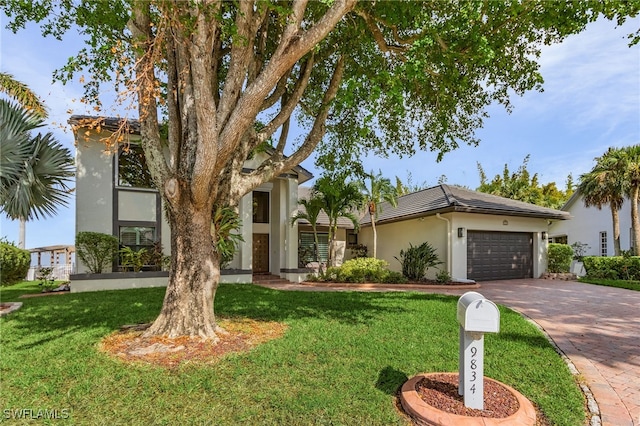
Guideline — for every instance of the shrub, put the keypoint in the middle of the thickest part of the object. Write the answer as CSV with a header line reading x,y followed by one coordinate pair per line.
x,y
443,277
359,250
579,250
613,268
417,260
559,257
131,259
96,250
361,270
47,282
14,263
393,277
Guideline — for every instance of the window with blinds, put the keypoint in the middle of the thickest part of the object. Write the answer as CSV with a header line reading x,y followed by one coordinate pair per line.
x,y
306,244
137,237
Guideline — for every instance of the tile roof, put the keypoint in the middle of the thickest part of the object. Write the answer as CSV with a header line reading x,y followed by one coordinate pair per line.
x,y
446,198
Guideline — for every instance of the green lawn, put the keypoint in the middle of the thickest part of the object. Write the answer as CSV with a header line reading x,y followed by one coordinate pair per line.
x,y
340,362
629,285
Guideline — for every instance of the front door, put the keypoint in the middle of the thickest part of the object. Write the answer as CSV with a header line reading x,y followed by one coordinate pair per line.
x,y
260,253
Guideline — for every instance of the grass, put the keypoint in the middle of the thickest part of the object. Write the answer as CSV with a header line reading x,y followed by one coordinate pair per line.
x,y
341,361
629,285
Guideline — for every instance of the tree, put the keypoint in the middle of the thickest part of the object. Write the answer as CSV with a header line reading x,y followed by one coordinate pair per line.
x,y
630,159
312,209
21,93
521,186
379,190
605,184
409,187
373,76
34,171
339,198
30,102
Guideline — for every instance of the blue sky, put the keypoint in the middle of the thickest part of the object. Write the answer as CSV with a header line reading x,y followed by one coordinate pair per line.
x,y
591,101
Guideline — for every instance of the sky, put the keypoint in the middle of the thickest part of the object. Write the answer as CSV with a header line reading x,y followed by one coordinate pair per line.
x,y
591,101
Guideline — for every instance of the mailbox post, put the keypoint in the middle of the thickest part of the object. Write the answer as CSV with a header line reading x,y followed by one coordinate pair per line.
x,y
476,316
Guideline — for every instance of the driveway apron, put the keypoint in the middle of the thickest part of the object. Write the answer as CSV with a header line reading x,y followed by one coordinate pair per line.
x,y
597,327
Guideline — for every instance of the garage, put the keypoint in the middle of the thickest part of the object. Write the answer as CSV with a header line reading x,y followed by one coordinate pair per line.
x,y
499,255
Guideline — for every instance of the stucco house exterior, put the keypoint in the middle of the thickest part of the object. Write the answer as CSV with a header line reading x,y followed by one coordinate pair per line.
x,y
593,226
477,236
113,196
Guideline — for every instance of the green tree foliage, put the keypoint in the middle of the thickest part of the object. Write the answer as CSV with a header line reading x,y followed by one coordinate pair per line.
x,y
312,208
522,186
615,175
14,263
605,185
339,197
409,186
35,171
377,77
22,94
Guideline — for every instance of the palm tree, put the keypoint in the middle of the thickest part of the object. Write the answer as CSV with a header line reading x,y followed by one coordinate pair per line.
x,y
605,184
34,171
380,189
630,159
21,93
312,209
339,198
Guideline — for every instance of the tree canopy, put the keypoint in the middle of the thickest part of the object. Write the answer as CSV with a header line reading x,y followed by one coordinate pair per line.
x,y
522,186
384,76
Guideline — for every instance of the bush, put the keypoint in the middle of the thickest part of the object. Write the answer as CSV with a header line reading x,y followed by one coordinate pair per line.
x,y
613,268
443,277
14,263
559,257
362,270
96,250
416,261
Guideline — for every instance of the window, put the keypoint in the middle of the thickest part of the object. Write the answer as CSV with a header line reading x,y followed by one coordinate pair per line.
x,y
306,245
352,238
132,168
560,239
603,243
137,237
260,207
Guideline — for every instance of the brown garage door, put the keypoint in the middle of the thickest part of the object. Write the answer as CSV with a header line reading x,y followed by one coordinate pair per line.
x,y
499,255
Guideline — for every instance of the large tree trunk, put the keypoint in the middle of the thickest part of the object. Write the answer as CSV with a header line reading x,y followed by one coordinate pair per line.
x,y
195,273
616,230
635,220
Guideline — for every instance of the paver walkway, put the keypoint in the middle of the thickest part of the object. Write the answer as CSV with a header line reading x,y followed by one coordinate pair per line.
x,y
597,327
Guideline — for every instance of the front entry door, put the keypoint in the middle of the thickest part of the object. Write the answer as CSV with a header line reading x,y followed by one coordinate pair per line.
x,y
260,253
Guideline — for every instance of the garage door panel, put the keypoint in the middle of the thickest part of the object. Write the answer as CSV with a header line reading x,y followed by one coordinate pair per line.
x,y
499,255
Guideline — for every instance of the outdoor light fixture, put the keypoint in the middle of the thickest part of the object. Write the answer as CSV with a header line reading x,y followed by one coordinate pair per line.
x,y
461,232
544,235
505,222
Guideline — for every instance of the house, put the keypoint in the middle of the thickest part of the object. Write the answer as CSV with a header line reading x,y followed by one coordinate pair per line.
x,y
476,235
593,226
114,195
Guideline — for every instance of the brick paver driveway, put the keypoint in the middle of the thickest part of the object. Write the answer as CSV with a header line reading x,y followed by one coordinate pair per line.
x,y
597,327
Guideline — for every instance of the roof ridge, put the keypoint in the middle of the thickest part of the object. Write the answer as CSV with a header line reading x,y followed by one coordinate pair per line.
x,y
448,194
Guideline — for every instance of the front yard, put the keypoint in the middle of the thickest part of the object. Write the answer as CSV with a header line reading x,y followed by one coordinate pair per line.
x,y
340,362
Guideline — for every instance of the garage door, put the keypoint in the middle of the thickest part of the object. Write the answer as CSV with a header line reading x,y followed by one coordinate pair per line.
x,y
499,255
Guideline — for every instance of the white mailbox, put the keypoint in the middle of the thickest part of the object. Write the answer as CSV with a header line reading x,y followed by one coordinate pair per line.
x,y
477,314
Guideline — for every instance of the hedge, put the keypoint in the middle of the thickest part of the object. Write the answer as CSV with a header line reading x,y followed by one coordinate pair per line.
x,y
14,264
613,268
559,257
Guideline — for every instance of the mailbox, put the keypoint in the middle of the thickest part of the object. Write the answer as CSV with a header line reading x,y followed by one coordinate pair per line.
x,y
477,314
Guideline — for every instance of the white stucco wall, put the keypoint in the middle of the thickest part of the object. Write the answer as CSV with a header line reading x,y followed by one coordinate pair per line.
x,y
438,232
397,236
587,223
94,189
